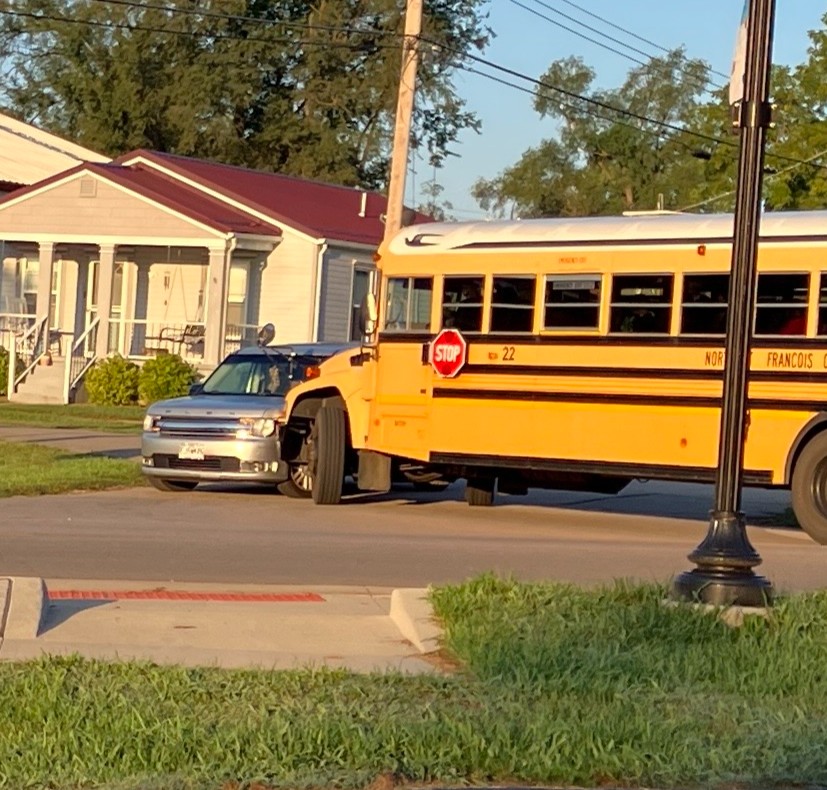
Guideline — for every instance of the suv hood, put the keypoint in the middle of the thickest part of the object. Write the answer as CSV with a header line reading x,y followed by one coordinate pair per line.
x,y
195,406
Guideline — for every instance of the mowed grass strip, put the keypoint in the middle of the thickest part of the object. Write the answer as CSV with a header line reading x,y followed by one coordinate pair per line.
x,y
558,686
118,419
27,469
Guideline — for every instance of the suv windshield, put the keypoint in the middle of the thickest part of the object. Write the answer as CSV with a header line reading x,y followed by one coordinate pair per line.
x,y
248,374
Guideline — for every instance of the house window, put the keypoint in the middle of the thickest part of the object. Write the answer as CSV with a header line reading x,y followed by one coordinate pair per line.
x,y
237,295
408,304
359,291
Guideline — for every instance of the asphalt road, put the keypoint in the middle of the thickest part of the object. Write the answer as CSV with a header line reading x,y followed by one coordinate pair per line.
x,y
404,539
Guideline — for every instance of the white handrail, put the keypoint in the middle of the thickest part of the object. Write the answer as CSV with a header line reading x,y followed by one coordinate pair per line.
x,y
77,360
34,335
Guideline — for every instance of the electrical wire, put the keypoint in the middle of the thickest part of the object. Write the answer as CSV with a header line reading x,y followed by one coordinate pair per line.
x,y
630,32
703,83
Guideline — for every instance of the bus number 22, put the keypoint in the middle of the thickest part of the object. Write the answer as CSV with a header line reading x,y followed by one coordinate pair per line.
x,y
508,353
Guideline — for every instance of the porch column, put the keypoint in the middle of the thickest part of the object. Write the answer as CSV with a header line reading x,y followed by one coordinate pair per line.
x,y
106,267
215,313
46,257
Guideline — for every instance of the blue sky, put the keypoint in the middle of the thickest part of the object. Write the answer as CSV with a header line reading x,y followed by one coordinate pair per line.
x,y
528,44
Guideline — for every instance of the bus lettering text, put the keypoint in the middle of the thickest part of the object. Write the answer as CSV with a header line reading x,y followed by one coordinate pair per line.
x,y
714,359
446,353
790,360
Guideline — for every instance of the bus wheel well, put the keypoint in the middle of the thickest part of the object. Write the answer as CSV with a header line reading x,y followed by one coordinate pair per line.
x,y
815,427
309,406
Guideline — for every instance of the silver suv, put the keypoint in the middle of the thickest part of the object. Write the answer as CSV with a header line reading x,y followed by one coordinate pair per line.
x,y
226,428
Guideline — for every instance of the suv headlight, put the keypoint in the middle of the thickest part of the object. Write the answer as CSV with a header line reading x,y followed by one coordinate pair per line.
x,y
261,427
151,423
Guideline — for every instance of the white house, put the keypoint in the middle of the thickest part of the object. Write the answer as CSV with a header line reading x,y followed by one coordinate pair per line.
x,y
155,253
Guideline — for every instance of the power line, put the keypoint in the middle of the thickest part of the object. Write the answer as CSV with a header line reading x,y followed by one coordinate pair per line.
x,y
702,83
630,32
434,43
598,103
768,177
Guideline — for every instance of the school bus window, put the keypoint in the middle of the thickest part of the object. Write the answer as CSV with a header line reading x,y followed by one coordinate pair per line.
x,y
512,304
822,306
572,302
704,304
641,303
462,303
408,304
781,304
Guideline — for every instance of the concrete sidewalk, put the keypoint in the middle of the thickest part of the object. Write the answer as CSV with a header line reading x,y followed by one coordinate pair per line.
x,y
76,440
203,625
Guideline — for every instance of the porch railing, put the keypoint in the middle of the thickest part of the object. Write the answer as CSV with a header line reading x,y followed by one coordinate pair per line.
x,y
12,328
32,343
138,338
239,335
80,358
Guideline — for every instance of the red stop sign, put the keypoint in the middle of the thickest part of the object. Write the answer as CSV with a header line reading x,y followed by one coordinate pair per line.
x,y
448,353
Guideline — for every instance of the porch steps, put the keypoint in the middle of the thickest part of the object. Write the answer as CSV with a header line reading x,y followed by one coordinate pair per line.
x,y
43,385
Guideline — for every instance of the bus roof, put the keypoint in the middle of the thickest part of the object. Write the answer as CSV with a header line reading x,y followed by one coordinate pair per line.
x,y
434,237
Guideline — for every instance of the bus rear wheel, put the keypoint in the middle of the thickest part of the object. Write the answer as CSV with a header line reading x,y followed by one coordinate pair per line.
x,y
327,446
809,489
479,491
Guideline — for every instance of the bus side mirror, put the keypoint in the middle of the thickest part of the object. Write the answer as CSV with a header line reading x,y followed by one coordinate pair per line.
x,y
367,315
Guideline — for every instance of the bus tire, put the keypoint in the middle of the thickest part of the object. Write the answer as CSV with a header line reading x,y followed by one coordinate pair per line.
x,y
809,488
172,485
479,491
328,439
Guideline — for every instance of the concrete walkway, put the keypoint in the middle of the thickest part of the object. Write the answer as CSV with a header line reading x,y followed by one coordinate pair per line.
x,y
76,440
203,625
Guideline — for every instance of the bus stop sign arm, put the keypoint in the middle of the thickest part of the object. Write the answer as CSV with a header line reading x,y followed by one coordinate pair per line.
x,y
725,558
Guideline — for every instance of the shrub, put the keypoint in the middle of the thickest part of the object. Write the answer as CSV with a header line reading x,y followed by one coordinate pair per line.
x,y
4,369
165,376
112,382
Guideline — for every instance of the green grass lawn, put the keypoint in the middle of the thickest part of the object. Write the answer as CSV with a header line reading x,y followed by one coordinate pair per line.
x,y
555,686
120,419
27,469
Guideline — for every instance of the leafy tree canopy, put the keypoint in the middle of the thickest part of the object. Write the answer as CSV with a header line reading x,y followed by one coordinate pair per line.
x,y
600,161
304,88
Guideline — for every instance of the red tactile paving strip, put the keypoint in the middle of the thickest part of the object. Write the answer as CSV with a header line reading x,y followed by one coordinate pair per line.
x,y
180,595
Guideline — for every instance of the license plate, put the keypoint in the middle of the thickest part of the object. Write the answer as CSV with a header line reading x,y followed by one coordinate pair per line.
x,y
191,452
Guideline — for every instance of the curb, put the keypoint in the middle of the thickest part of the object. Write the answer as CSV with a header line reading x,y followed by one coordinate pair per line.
x,y
414,617
25,607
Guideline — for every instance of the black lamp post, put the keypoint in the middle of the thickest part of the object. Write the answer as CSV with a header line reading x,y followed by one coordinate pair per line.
x,y
725,558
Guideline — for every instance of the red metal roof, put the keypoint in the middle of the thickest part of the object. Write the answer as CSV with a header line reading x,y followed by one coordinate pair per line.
x,y
185,199
169,192
320,210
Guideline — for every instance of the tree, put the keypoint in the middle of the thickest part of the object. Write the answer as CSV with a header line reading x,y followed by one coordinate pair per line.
x,y
602,161
304,88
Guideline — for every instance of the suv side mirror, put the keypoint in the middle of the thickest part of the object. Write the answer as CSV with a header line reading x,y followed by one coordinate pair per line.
x,y
266,334
368,315
195,389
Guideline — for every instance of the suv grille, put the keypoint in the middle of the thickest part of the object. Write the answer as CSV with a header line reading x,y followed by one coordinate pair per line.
x,y
199,428
215,463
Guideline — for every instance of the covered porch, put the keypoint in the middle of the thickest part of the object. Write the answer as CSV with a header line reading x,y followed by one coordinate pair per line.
x,y
69,303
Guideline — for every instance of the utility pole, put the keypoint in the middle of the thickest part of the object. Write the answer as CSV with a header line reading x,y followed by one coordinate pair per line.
x,y
404,111
725,558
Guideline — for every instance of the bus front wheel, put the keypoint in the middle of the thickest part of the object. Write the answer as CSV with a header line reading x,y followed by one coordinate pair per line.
x,y
809,489
327,446
479,491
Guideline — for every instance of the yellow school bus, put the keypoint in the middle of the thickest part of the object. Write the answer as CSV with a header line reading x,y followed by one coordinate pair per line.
x,y
577,354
